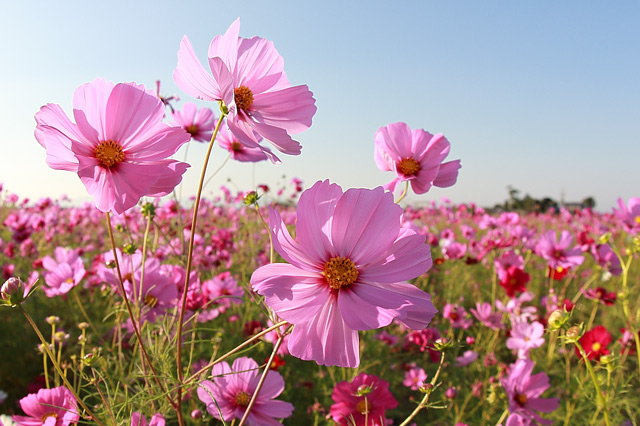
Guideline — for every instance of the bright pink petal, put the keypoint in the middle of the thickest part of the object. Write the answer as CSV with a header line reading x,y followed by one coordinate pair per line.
x,y
448,174
365,224
168,180
326,339
295,295
225,46
224,79
291,109
54,131
191,76
288,248
89,103
259,66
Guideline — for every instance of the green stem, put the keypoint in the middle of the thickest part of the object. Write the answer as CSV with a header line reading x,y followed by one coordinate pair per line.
x,y
425,400
183,304
592,373
404,193
68,385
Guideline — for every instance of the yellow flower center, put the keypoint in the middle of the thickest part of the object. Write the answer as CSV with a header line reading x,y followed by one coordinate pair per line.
x,y
47,415
520,398
596,347
109,153
242,399
236,146
150,301
637,220
408,166
340,272
243,97
363,406
192,129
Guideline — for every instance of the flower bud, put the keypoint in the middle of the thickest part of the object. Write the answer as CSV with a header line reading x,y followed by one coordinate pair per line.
x,y
129,248
557,319
426,388
148,210
251,198
451,393
574,333
364,390
12,292
196,414
52,319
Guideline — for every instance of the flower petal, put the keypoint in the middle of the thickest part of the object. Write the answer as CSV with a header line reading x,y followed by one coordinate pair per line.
x,y
191,76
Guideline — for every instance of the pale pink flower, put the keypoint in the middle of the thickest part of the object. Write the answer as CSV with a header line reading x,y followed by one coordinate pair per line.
x,y
523,392
414,377
525,336
629,213
346,272
198,122
49,407
119,146
238,150
466,358
248,76
64,273
228,394
416,156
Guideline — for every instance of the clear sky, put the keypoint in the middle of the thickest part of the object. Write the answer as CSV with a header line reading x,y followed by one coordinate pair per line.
x,y
543,96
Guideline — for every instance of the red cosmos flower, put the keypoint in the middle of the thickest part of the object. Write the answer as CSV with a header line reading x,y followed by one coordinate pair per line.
x,y
595,342
601,294
362,402
515,280
557,273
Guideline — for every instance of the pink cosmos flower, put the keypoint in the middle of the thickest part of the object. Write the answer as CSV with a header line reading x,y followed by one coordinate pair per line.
x,y
525,336
524,390
629,213
198,122
457,315
466,358
248,76
138,419
557,252
64,273
414,377
49,407
346,272
238,150
118,145
484,314
231,389
416,156
607,258
362,402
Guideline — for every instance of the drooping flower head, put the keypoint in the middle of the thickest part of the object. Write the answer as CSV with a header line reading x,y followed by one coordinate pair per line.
x,y
416,156
365,399
524,390
198,122
346,272
118,146
248,76
49,407
228,394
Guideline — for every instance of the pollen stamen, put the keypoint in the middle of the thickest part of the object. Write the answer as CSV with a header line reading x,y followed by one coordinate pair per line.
x,y
520,399
243,399
236,146
408,167
150,301
243,97
340,272
109,153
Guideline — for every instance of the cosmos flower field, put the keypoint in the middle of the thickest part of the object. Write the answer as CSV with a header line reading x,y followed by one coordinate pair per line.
x,y
304,303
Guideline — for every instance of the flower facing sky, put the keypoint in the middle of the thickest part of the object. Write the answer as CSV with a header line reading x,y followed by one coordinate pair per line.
x,y
118,146
414,155
248,76
346,272
595,342
231,389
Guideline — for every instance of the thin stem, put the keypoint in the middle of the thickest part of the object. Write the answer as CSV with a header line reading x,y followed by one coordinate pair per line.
x,y
266,226
262,379
605,410
131,315
503,416
215,172
404,193
68,385
232,351
425,400
188,270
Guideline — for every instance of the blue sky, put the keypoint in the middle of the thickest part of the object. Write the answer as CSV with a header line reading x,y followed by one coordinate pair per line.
x,y
543,96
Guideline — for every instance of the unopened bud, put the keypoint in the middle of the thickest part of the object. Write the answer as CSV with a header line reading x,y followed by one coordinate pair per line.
x,y
574,333
129,248
52,319
148,210
442,344
426,388
251,198
557,319
12,292
363,390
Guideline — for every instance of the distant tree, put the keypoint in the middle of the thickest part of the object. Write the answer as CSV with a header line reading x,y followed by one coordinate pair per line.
x,y
589,202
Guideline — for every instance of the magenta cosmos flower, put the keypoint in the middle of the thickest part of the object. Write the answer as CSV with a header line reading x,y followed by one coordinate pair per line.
x,y
138,419
231,389
49,407
416,156
346,272
198,122
629,213
523,392
248,76
118,145
557,252
363,402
